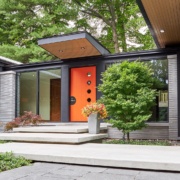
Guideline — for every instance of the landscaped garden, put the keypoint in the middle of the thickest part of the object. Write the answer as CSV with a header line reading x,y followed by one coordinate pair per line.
x,y
141,142
8,161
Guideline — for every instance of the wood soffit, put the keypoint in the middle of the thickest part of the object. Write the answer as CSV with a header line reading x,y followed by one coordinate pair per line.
x,y
73,46
71,49
164,16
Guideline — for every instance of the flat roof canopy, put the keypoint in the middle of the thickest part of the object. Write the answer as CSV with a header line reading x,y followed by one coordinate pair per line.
x,y
163,19
75,45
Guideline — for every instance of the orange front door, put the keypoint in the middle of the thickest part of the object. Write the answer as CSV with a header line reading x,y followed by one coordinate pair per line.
x,y
82,90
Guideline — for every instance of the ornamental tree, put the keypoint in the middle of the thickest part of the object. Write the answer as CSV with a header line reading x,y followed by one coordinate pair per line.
x,y
128,95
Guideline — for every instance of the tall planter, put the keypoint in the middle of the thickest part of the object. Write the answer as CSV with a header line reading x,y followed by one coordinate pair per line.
x,y
93,123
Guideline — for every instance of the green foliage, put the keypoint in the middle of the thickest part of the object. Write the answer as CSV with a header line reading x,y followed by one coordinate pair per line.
x,y
24,55
28,118
23,22
160,72
2,142
139,142
118,21
9,161
112,22
128,95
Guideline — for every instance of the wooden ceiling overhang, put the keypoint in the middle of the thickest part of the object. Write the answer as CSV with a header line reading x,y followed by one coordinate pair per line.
x,y
163,20
74,45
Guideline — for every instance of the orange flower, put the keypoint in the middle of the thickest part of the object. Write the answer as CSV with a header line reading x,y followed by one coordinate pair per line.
x,y
95,108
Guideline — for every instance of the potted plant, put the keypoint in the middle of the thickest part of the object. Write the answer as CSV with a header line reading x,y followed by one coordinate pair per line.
x,y
94,112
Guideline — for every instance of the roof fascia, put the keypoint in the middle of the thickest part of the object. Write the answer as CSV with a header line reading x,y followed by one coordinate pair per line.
x,y
151,29
105,58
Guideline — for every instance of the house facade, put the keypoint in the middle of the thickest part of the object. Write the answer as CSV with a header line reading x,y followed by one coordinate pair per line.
x,y
58,90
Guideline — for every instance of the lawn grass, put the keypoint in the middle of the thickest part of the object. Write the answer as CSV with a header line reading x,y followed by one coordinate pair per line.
x,y
139,142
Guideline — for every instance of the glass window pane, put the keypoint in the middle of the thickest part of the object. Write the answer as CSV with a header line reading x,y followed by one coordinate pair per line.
x,y
160,71
27,91
50,93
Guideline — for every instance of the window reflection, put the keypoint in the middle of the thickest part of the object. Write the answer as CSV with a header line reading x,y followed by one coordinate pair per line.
x,y
160,72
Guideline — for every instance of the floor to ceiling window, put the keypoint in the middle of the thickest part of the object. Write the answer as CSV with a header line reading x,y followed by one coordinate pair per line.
x,y
27,92
40,92
49,91
160,72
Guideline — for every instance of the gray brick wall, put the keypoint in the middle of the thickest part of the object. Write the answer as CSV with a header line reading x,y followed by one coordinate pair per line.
x,y
173,100
7,96
153,131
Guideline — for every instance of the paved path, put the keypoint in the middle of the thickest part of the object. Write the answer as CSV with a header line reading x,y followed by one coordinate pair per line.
x,y
112,155
50,171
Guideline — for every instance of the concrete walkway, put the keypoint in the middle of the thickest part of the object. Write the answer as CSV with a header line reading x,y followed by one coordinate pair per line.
x,y
52,171
127,156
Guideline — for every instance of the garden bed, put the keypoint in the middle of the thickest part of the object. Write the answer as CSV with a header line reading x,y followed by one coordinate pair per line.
x,y
8,161
155,142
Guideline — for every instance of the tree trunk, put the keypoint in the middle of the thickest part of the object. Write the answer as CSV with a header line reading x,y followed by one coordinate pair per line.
x,y
123,37
124,136
128,136
115,38
114,26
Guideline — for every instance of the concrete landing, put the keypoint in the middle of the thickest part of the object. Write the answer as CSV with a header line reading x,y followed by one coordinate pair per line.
x,y
53,129
52,137
166,158
56,129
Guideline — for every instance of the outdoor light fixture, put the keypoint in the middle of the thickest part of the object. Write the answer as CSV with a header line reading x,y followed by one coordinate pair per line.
x,y
162,31
61,51
83,48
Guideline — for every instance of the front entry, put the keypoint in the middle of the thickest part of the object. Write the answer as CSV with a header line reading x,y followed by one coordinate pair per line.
x,y
55,99
82,91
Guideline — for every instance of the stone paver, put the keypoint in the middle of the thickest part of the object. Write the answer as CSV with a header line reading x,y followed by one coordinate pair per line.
x,y
52,171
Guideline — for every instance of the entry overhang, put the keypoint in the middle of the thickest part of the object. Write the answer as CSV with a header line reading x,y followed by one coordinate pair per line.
x,y
75,45
163,19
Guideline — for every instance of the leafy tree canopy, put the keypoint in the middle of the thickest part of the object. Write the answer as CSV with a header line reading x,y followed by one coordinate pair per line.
x,y
115,23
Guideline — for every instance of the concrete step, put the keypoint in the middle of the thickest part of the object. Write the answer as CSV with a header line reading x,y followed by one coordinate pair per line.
x,y
55,129
52,129
52,137
71,124
164,158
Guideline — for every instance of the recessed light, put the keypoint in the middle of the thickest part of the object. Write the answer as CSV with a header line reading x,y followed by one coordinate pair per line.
x,y
61,51
82,48
162,31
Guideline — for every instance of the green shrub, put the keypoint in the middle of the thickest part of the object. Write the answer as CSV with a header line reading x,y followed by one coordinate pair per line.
x,y
28,118
139,142
9,161
2,141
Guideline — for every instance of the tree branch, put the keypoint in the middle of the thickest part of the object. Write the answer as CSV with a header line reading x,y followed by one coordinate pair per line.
x,y
92,12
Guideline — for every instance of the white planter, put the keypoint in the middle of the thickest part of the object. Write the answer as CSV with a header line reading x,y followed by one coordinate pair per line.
x,y
93,124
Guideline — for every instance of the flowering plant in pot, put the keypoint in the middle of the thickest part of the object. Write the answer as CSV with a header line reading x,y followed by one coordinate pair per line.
x,y
94,112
